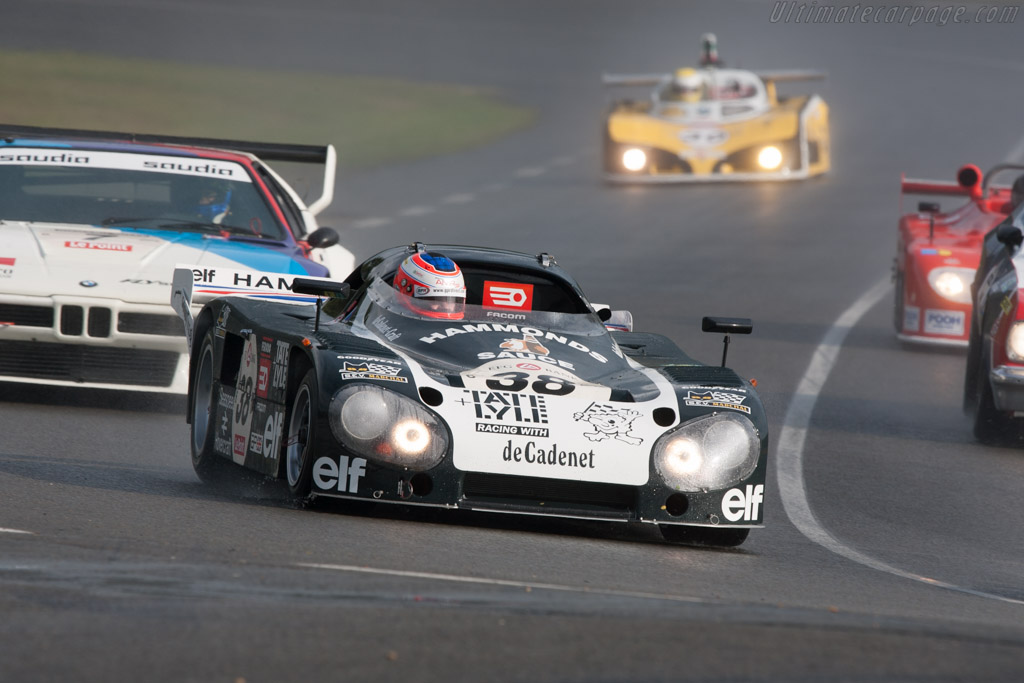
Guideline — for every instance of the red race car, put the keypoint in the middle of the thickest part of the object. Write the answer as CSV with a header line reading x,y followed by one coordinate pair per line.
x,y
938,252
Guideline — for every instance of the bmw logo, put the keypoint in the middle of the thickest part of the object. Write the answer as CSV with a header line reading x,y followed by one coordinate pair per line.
x,y
88,283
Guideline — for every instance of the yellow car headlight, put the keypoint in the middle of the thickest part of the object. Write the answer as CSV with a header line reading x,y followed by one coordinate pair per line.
x,y
769,158
634,159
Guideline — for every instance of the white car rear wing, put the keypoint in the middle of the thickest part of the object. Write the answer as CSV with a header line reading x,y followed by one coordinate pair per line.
x,y
266,151
196,285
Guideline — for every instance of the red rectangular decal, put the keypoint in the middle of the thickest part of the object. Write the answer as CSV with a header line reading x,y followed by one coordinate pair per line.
x,y
102,246
4,261
508,295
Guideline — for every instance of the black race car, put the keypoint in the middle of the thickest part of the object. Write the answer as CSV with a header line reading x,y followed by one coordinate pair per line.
x,y
527,400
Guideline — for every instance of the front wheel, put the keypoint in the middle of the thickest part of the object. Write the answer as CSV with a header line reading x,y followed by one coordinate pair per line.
x,y
301,437
208,465
719,537
992,427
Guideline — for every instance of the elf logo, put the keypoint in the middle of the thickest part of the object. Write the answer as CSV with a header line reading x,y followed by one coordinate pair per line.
x,y
343,475
507,295
743,504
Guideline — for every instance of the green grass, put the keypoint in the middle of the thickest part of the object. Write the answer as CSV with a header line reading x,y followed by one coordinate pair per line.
x,y
370,121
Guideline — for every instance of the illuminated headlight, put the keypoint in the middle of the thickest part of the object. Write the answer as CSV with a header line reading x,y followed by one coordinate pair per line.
x,y
1015,342
769,158
634,159
952,283
707,453
387,427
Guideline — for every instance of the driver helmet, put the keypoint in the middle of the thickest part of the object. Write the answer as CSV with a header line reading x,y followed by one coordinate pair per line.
x,y
431,285
688,85
213,203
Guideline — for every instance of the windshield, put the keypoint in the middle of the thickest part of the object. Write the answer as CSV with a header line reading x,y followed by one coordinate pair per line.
x,y
382,295
127,190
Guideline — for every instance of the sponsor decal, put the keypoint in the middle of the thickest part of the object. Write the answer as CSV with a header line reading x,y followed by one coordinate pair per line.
x,y
6,261
155,163
928,251
515,430
367,370
911,319
44,158
743,504
944,322
532,454
222,439
6,267
371,359
507,295
134,281
505,407
245,397
263,372
271,437
717,399
531,336
527,344
504,315
99,246
384,326
279,377
704,137
343,475
508,355
609,422
1006,305
222,321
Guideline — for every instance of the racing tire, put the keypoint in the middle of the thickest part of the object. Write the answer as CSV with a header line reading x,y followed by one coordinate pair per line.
x,y
301,437
209,466
718,537
897,319
992,427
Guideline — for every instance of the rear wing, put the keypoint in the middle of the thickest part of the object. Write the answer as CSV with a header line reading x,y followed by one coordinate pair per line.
x,y
633,79
268,151
969,182
791,75
197,285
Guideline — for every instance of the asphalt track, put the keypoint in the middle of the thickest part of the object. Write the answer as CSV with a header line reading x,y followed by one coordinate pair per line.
x,y
892,550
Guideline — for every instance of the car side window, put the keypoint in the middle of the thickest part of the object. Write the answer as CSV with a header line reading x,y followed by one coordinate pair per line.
x,y
291,212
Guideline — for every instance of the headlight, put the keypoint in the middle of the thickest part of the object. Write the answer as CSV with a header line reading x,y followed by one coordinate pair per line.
x,y
1015,342
952,283
387,427
707,453
769,158
634,159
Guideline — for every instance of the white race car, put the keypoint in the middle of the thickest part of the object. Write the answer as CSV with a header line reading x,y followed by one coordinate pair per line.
x,y
92,225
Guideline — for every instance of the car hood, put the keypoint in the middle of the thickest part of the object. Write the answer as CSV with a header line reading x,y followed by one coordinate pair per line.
x,y
133,265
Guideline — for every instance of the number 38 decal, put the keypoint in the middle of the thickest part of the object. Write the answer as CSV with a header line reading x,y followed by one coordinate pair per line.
x,y
518,381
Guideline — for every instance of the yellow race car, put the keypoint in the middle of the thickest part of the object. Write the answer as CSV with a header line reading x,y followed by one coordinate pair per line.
x,y
714,124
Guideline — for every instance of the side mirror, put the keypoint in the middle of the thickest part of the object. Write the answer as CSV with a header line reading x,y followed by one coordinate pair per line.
x,y
928,207
604,314
1010,235
726,326
321,238
321,289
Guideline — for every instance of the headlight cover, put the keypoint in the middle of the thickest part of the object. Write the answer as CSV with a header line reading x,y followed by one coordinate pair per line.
x,y
1015,342
634,159
386,427
952,283
769,158
707,453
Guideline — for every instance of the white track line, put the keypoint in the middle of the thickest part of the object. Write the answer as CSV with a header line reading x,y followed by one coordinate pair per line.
x,y
502,582
789,452
16,531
